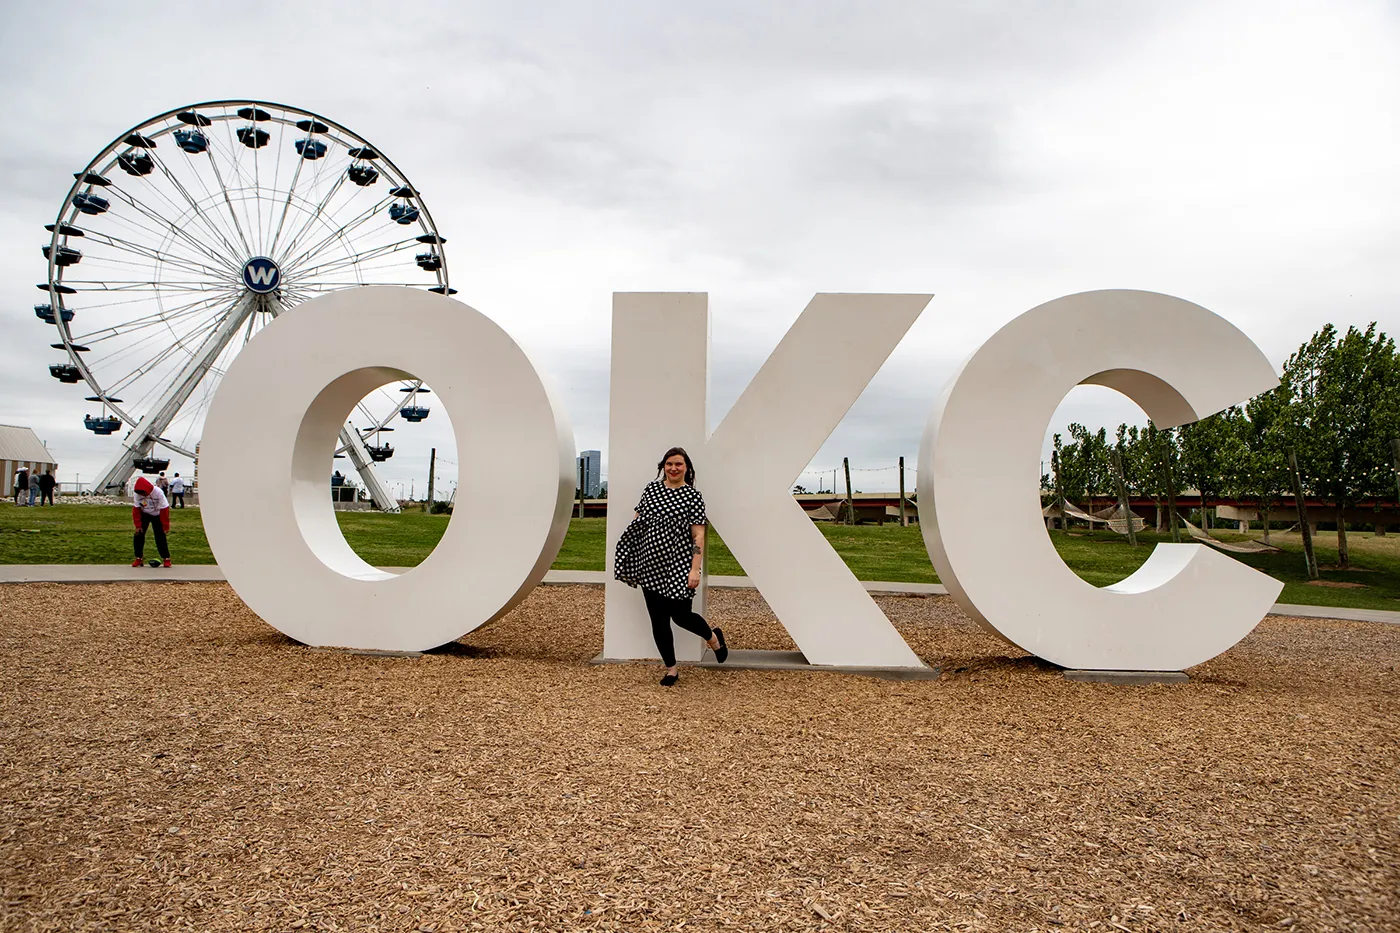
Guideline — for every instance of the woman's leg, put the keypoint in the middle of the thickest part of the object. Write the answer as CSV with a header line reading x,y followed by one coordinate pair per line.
x,y
658,607
690,620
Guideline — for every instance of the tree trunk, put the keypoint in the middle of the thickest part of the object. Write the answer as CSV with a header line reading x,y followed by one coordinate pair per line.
x,y
1343,557
1123,496
1171,502
1264,509
1309,558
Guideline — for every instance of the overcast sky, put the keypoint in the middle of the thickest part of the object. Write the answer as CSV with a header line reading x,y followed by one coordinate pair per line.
x,y
997,154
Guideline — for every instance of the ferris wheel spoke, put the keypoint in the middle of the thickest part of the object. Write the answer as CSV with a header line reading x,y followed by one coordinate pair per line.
x,y
316,213
312,185
144,367
229,258
257,187
332,265
173,234
233,214
155,319
211,196
150,252
172,237
206,352
152,211
364,272
111,285
161,344
276,177
286,206
214,229
343,230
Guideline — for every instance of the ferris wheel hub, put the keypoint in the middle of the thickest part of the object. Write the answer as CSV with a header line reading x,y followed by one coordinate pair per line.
x,y
261,275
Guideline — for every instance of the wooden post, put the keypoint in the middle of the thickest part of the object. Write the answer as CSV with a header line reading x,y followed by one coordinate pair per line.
x,y
432,471
1308,556
903,518
850,500
1171,500
1123,495
1059,490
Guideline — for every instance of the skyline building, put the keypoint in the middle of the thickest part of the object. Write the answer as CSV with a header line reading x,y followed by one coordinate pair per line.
x,y
588,466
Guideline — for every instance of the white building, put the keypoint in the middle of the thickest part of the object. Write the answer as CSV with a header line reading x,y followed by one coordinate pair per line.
x,y
21,447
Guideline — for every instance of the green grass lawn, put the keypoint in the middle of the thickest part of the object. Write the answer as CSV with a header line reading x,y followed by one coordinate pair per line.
x,y
95,534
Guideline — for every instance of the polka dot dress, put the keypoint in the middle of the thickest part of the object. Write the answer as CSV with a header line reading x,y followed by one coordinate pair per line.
x,y
663,549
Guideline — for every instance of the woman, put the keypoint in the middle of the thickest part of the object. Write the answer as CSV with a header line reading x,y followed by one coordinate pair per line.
x,y
661,552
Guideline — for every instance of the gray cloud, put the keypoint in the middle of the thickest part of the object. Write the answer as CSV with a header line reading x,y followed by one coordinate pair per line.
x,y
1000,154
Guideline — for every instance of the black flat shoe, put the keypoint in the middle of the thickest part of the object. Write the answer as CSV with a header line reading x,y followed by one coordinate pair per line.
x,y
670,680
722,652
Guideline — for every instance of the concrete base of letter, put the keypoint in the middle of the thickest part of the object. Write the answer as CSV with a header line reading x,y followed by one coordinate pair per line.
x,y
1127,678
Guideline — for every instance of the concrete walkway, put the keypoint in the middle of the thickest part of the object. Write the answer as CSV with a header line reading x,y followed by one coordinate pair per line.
x,y
210,573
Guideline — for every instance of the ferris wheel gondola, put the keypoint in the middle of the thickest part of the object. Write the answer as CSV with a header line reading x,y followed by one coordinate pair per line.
x,y
189,233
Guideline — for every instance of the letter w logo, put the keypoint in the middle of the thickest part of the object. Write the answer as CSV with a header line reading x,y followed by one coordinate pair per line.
x,y
261,274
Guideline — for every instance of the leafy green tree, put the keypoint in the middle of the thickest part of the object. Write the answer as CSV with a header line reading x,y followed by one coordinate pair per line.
x,y
1073,480
1091,460
1164,452
1263,472
1345,408
1203,460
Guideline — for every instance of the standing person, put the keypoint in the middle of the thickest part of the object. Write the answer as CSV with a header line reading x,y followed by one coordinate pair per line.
x,y
22,486
163,484
177,491
46,485
150,508
661,552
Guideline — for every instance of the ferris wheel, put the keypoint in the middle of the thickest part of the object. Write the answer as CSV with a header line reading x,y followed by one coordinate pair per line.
x,y
193,230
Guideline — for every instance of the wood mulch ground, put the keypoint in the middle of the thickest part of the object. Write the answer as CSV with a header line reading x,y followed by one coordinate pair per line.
x,y
169,762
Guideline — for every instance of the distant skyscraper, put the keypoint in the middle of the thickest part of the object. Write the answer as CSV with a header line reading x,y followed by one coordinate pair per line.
x,y
589,465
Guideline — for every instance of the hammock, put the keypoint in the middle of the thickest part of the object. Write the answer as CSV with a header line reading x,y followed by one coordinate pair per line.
x,y
1240,547
1114,517
1117,519
1071,511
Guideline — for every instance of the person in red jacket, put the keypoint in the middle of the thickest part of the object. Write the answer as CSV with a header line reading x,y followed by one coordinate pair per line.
x,y
150,508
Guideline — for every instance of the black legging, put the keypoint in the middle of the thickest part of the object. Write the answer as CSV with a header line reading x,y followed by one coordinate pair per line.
x,y
139,539
662,610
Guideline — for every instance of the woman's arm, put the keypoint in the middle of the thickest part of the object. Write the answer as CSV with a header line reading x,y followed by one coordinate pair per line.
x,y
697,553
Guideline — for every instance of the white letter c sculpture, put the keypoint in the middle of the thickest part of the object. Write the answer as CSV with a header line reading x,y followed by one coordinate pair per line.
x,y
979,483
265,465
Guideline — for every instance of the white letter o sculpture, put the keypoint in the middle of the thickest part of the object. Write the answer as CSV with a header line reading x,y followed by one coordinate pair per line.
x,y
979,483
265,464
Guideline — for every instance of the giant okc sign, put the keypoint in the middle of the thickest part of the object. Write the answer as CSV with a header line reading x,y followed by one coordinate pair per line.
x,y
287,394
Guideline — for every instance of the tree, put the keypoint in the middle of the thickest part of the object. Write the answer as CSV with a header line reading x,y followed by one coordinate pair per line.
x,y
1264,433
1346,408
1158,464
799,490
1088,462
1202,458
